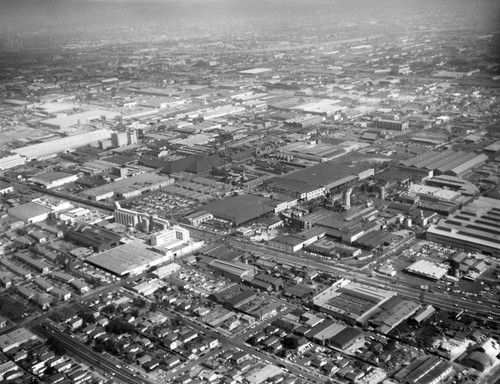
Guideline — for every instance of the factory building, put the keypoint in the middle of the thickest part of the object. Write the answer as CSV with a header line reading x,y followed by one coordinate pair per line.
x,y
475,227
425,370
12,161
49,180
129,187
5,188
52,148
197,218
128,259
448,162
232,270
29,213
121,139
63,122
351,301
392,125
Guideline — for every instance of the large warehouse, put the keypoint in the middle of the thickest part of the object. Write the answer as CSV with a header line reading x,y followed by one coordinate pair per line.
x,y
53,147
50,180
351,301
449,162
424,370
129,259
476,227
86,117
427,269
240,209
129,187
315,181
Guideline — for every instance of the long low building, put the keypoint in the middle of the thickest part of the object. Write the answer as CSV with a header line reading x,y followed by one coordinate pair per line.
x,y
15,338
129,187
86,117
427,269
11,161
449,162
50,180
129,259
51,148
315,181
351,301
240,209
232,270
424,370
475,227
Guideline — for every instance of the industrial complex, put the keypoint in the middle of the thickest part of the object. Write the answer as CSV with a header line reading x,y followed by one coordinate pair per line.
x,y
250,192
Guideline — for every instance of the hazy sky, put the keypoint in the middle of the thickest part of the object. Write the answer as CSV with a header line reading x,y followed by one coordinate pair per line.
x,y
73,18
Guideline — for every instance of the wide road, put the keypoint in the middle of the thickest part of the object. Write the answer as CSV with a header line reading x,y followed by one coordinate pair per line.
x,y
437,299
88,356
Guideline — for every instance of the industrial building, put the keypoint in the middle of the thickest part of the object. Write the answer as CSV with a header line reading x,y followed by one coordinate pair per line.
x,y
424,370
448,162
51,180
133,218
98,238
11,161
52,148
197,218
454,183
29,213
427,269
346,338
5,188
423,314
475,227
129,187
241,209
120,139
355,226
253,72
129,259
392,313
392,125
15,338
351,301
311,106
295,242
170,237
313,151
315,181
483,356
232,270
62,122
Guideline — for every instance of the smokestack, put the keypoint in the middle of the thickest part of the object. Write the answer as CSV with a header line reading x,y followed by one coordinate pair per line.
x,y
382,193
347,198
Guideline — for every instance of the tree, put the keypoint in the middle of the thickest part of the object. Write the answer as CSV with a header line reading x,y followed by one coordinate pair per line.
x,y
87,317
109,309
177,321
56,346
291,342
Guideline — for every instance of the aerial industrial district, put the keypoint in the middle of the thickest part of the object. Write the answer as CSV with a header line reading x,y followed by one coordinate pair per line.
x,y
313,213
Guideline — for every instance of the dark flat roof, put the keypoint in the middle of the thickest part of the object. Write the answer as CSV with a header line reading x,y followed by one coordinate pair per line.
x,y
240,209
